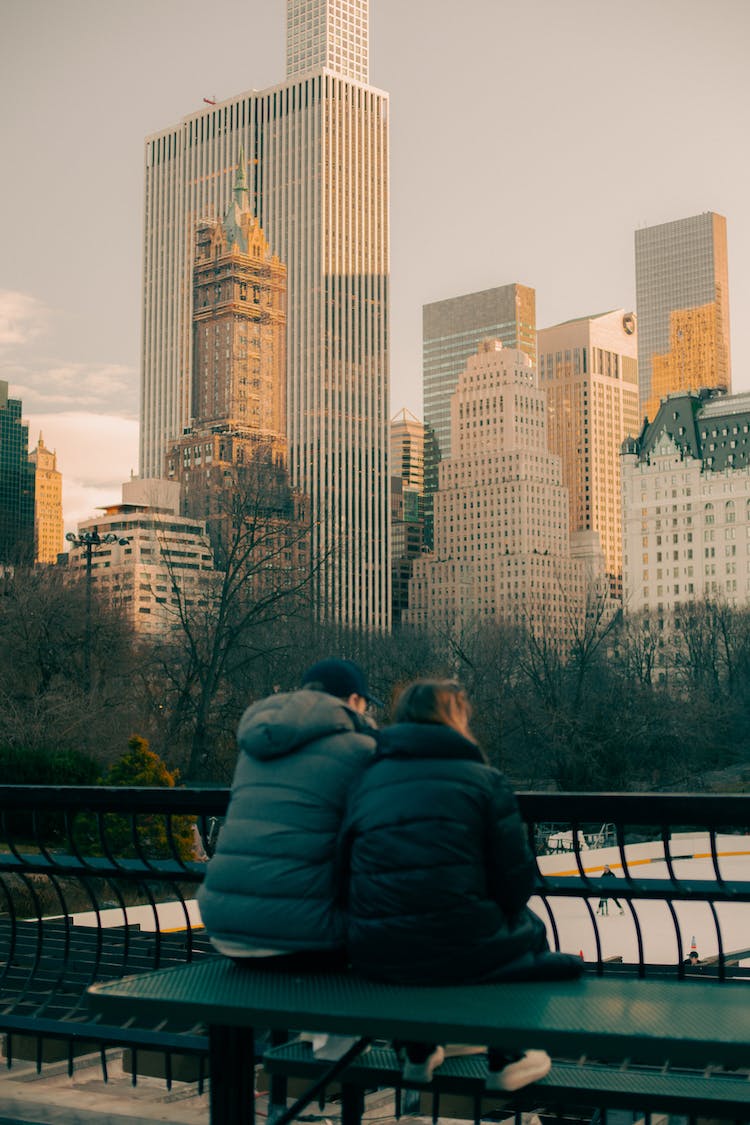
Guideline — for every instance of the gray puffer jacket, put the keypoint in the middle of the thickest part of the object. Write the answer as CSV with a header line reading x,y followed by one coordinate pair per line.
x,y
272,883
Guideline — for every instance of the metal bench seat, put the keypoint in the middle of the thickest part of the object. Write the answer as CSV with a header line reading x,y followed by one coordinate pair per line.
x,y
590,1084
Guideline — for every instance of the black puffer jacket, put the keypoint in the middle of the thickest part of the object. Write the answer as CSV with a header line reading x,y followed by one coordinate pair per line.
x,y
439,865
272,883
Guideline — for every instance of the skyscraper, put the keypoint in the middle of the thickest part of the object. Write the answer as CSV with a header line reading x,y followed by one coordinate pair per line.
x,y
502,542
407,503
589,369
16,483
452,330
682,301
317,164
48,510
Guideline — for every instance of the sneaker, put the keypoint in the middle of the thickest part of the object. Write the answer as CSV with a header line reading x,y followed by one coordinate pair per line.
x,y
531,1066
422,1071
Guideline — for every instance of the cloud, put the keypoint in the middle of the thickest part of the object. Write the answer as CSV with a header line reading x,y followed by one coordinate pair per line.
x,y
91,388
22,317
95,454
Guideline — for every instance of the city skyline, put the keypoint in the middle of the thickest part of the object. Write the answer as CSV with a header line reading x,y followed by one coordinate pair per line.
x,y
668,86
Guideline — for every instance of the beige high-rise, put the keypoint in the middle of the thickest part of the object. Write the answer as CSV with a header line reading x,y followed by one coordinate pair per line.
x,y
502,543
316,155
589,369
48,509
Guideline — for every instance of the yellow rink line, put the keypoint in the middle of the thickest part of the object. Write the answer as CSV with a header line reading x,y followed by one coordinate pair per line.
x,y
643,862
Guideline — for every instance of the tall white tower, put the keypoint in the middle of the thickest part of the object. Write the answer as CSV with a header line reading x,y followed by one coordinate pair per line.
x,y
328,33
316,154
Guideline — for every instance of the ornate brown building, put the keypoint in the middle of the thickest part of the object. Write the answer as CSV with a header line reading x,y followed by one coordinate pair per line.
x,y
232,462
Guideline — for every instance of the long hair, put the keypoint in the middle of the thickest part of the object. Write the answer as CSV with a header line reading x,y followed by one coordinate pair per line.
x,y
432,701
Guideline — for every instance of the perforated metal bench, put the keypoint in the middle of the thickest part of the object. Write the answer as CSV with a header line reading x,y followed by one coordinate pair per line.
x,y
652,1025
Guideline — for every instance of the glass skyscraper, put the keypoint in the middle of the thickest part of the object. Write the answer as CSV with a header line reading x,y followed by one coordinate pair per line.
x,y
682,302
316,153
16,483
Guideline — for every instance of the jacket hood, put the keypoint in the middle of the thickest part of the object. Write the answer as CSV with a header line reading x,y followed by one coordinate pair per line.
x,y
282,724
426,740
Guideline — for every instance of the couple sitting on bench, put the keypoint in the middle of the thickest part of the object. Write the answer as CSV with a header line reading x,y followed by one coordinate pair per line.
x,y
399,853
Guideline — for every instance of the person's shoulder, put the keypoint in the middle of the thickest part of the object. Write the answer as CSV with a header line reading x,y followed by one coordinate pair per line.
x,y
501,786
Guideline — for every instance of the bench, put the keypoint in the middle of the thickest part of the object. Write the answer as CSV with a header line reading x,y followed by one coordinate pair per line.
x,y
673,1043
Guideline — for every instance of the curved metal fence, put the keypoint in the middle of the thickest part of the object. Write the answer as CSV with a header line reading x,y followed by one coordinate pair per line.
x,y
96,883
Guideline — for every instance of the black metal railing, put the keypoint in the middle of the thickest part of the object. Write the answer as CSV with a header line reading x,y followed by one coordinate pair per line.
x,y
698,849
96,883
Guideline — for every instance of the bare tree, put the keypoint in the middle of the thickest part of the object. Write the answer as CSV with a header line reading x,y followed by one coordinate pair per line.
x,y
46,697
241,615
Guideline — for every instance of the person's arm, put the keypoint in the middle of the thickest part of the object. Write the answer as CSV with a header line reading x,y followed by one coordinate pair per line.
x,y
511,866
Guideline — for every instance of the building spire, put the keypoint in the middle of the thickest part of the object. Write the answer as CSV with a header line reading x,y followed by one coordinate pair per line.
x,y
240,183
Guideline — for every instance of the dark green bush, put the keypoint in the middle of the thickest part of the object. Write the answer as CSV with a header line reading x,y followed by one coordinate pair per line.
x,y
19,766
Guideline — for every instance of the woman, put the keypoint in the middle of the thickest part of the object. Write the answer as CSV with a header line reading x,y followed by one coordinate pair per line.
x,y
440,870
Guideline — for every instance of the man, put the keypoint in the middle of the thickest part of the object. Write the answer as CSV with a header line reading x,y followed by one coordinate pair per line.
x,y
271,890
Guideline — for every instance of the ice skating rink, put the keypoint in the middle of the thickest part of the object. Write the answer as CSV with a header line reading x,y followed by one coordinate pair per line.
x,y
663,941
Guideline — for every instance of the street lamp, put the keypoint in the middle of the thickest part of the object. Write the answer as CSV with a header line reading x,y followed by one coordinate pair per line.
x,y
89,540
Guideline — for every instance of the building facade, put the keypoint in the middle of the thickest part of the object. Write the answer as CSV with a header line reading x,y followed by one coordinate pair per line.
x,y
48,509
502,542
452,330
682,301
231,463
407,503
589,369
161,560
16,483
686,504
316,155
239,328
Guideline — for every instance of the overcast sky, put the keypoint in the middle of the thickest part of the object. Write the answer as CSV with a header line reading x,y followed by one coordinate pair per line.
x,y
528,141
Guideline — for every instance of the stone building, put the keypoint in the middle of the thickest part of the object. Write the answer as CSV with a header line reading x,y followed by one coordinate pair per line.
x,y
232,463
452,330
502,540
589,370
48,509
159,561
686,504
